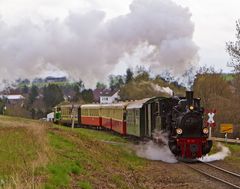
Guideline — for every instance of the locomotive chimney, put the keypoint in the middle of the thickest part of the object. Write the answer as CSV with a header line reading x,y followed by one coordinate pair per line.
x,y
189,97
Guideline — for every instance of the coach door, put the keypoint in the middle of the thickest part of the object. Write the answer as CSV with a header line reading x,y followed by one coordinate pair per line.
x,y
149,125
156,117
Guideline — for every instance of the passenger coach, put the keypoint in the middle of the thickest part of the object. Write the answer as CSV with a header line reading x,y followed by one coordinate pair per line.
x,y
66,114
91,115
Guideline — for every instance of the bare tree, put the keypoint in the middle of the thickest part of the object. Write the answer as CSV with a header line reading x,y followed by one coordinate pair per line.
x,y
233,48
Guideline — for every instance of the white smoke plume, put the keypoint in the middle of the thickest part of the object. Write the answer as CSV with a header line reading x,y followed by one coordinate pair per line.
x,y
87,46
158,88
153,151
224,152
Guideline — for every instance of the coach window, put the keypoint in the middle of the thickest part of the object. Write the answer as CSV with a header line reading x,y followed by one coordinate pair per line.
x,y
157,108
137,115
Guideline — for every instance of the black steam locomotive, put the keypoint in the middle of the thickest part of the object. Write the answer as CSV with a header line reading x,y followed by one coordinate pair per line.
x,y
188,137
180,117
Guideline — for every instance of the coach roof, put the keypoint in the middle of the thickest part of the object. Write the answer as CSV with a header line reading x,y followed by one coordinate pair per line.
x,y
137,104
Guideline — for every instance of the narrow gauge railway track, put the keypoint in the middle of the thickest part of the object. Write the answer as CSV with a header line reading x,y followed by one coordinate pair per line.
x,y
222,175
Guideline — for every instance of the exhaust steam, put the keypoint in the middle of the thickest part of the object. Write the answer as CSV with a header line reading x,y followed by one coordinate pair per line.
x,y
224,152
157,150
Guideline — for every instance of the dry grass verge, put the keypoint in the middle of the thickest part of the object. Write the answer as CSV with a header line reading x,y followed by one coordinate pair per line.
x,y
24,148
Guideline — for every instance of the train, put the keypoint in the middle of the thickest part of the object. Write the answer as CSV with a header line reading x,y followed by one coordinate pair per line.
x,y
182,118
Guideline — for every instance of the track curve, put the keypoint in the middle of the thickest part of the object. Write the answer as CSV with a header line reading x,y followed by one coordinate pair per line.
x,y
227,177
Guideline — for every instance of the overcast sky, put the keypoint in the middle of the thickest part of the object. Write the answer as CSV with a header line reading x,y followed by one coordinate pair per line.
x,y
214,20
214,26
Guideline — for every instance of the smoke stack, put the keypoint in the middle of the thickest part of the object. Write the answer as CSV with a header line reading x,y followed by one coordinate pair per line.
x,y
189,97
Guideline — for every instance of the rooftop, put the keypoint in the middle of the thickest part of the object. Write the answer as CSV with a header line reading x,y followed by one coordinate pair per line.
x,y
12,97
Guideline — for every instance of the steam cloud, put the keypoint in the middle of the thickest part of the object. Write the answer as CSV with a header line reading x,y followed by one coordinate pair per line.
x,y
158,88
153,151
86,46
224,152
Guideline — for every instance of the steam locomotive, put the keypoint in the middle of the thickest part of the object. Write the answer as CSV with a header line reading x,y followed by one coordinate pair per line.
x,y
180,117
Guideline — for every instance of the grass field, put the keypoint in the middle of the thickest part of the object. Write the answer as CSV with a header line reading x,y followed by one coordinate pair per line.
x,y
36,154
84,158
228,77
23,148
39,155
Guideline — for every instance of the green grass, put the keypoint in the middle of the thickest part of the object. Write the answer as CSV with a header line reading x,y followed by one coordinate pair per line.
x,y
74,158
82,158
62,165
228,77
85,185
95,134
235,153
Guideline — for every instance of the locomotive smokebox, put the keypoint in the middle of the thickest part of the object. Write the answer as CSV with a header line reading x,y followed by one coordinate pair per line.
x,y
189,97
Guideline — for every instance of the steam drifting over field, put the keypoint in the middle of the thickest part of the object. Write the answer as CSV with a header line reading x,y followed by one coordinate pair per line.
x,y
220,155
155,33
153,151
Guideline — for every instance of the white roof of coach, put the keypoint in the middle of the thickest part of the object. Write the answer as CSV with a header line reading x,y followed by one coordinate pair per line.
x,y
115,105
137,104
93,106
69,105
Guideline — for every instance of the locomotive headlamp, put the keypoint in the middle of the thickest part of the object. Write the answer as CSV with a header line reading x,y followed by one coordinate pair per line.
x,y
191,107
179,131
205,130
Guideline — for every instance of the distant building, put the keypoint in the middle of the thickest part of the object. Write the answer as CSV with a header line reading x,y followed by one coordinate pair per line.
x,y
105,96
12,99
55,79
49,79
37,80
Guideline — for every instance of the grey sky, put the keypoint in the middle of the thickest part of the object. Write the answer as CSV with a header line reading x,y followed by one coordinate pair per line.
x,y
214,23
214,19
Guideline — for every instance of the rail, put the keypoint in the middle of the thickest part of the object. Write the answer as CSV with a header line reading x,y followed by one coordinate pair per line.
x,y
208,174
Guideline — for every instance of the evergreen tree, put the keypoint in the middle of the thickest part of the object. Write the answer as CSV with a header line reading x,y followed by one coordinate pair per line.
x,y
52,95
80,85
115,82
129,75
87,95
78,88
25,89
100,85
2,105
33,94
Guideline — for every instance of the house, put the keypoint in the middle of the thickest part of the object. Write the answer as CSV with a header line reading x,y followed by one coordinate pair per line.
x,y
105,96
13,99
51,79
96,95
